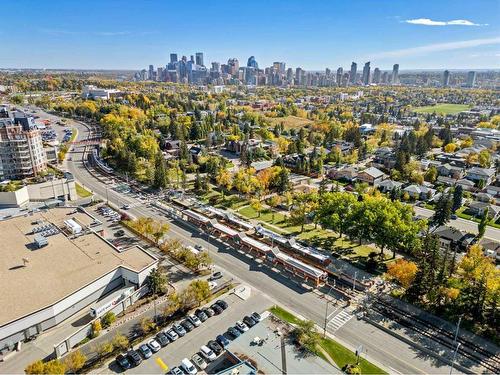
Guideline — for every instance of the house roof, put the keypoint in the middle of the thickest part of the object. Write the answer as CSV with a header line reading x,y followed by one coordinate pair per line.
x,y
390,184
449,233
481,171
373,172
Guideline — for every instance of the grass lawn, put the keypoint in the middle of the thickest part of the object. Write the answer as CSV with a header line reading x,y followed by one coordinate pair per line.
x,y
343,356
81,191
266,216
284,315
460,213
340,354
291,122
443,108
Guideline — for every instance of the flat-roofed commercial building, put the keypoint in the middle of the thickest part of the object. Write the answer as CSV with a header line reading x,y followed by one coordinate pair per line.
x,y
41,287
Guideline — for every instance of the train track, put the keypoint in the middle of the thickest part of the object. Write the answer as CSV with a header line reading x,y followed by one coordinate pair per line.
x,y
468,349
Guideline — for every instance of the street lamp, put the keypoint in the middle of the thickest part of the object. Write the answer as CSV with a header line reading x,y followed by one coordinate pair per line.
x,y
458,328
454,357
326,309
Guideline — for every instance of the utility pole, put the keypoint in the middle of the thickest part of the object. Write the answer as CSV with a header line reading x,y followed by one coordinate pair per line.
x,y
354,282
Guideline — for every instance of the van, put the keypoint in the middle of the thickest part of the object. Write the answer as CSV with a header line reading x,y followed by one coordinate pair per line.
x,y
207,353
188,367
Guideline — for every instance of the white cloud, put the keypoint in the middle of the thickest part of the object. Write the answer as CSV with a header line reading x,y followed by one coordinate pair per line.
x,y
437,47
429,22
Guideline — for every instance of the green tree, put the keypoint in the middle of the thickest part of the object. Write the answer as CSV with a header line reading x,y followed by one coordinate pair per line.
x,y
157,280
336,211
481,226
442,213
457,198
256,206
173,305
274,202
307,335
108,319
161,180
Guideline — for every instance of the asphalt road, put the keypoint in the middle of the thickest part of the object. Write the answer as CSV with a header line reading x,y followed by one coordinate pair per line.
x,y
398,357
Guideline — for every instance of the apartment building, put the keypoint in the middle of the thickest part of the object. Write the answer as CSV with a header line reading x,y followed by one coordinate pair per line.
x,y
21,149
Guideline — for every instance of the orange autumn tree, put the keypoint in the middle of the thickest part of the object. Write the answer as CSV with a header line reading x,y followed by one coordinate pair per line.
x,y
403,272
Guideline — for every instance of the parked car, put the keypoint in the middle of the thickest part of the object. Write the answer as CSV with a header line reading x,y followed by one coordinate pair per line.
x,y
145,351
187,325
222,304
126,206
215,276
123,362
193,319
176,371
179,330
162,338
134,357
256,316
188,367
217,309
249,321
221,339
171,334
233,332
199,361
242,327
453,217
201,315
154,345
119,233
214,345
207,353
209,312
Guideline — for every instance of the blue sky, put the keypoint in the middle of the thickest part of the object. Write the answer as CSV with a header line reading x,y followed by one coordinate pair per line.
x,y
313,34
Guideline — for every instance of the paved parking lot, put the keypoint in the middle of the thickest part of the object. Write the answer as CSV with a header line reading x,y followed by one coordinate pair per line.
x,y
186,346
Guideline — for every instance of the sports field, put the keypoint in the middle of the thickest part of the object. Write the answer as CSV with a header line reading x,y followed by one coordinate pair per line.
x,y
443,108
291,122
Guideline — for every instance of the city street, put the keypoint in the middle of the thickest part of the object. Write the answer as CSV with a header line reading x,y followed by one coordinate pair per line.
x,y
275,286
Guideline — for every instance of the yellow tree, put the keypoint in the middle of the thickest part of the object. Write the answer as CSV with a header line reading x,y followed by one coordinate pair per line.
x,y
36,367
403,272
120,341
75,361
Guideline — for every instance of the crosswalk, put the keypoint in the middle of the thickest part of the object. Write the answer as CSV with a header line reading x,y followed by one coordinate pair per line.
x,y
339,320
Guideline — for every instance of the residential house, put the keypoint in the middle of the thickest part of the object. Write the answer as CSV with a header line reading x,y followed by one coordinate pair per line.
x,y
467,185
349,174
477,209
195,152
491,248
484,197
172,147
419,192
452,239
477,174
494,191
449,170
371,175
388,185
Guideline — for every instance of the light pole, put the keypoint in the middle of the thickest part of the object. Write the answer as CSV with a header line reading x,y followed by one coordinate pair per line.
x,y
326,311
354,282
454,357
458,328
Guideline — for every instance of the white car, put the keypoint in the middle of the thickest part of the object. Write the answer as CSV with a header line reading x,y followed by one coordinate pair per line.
x,y
208,353
242,327
212,285
194,320
188,367
154,345
171,334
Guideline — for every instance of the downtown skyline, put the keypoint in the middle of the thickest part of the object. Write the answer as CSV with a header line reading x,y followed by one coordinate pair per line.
x,y
448,35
